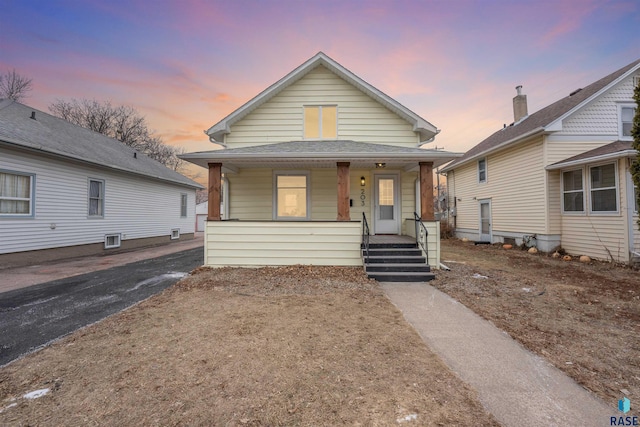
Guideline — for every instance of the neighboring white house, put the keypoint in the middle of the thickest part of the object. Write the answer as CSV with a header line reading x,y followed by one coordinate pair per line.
x,y
305,160
559,176
67,191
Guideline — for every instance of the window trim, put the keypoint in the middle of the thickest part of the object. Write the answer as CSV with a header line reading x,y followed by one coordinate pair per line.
x,y
486,175
106,240
276,174
562,192
184,208
102,199
320,133
616,188
620,132
32,195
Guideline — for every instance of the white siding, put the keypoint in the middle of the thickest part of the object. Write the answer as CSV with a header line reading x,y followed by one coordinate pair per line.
x,y
134,206
600,117
360,118
262,243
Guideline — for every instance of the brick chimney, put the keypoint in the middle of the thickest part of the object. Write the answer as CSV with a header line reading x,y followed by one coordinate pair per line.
x,y
519,105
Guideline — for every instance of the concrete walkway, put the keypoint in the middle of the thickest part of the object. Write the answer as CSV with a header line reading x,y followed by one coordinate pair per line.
x,y
516,386
20,277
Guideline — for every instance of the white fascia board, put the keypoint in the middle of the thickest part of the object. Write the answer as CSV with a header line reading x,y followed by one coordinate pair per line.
x,y
557,123
596,159
484,153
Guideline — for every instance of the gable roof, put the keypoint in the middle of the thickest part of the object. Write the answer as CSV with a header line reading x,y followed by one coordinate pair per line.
x,y
426,130
49,134
544,119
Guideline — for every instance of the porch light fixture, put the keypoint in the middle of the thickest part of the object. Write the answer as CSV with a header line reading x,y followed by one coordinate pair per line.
x,y
381,165
362,181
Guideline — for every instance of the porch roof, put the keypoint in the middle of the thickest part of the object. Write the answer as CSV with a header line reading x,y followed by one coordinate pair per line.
x,y
319,154
614,150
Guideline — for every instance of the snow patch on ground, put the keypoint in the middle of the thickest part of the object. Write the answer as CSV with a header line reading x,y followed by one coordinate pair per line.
x,y
7,407
36,393
411,417
158,279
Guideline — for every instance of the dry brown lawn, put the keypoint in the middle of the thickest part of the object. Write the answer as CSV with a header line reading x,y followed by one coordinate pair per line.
x,y
583,318
235,347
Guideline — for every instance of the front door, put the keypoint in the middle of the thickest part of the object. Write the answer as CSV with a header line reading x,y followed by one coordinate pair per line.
x,y
386,206
485,220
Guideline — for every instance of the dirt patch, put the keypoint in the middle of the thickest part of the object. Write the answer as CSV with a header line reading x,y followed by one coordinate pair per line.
x,y
234,347
583,318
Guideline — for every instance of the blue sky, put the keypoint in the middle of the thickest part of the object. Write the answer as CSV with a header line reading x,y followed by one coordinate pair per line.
x,y
187,64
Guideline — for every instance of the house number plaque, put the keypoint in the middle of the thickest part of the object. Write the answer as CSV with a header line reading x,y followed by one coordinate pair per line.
x,y
363,197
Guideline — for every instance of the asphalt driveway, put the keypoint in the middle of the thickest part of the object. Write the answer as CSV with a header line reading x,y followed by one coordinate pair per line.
x,y
36,315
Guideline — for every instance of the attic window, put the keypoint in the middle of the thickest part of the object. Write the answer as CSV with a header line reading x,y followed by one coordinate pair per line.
x,y
320,122
626,114
482,170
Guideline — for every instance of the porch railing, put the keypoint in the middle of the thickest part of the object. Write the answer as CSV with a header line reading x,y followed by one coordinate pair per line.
x,y
365,238
422,235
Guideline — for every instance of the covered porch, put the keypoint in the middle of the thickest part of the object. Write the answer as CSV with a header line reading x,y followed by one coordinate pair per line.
x,y
306,202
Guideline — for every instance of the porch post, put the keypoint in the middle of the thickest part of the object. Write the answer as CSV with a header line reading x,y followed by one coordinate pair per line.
x,y
343,191
426,191
215,175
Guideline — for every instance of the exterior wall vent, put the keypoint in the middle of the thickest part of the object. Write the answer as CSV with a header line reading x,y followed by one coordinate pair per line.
x,y
175,233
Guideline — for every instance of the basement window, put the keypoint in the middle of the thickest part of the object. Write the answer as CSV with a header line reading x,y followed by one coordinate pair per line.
x,y
175,234
112,241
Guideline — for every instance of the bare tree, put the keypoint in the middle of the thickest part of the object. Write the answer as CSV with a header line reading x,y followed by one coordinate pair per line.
x,y
123,123
14,86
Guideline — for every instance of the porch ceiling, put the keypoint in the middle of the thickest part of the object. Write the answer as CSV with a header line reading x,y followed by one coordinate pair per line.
x,y
320,154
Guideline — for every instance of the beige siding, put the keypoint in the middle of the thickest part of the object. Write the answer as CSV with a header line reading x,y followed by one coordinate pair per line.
x,y
262,243
359,117
324,194
601,236
408,195
251,194
515,185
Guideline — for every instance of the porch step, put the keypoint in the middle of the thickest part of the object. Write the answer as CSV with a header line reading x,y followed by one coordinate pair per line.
x,y
395,276
395,252
396,262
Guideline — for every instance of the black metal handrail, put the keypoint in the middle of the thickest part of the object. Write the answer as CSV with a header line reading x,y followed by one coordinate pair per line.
x,y
365,237
421,231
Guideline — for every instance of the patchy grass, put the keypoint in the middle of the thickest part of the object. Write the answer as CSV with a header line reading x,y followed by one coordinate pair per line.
x,y
232,347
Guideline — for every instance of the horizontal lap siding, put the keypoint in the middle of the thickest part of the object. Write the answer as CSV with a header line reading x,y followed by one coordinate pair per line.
x,y
282,243
134,206
360,118
251,194
597,235
515,185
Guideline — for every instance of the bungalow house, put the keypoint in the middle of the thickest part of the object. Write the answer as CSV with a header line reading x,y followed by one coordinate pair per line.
x,y
67,191
312,163
558,177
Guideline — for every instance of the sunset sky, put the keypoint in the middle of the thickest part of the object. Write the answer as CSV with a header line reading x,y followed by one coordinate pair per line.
x,y
186,64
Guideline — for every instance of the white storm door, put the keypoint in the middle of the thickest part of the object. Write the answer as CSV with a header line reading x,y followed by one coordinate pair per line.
x,y
485,220
386,206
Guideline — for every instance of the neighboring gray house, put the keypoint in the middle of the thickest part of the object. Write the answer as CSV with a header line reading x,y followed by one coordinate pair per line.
x,y
67,191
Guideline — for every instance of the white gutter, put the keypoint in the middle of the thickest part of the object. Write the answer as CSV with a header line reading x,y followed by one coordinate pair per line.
x,y
581,162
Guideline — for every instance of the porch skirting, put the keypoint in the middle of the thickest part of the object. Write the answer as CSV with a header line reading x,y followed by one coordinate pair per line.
x,y
271,243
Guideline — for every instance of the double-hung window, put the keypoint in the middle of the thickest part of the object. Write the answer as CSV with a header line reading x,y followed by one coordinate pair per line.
x,y
96,198
292,195
572,191
604,192
626,114
16,194
482,170
183,205
320,122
